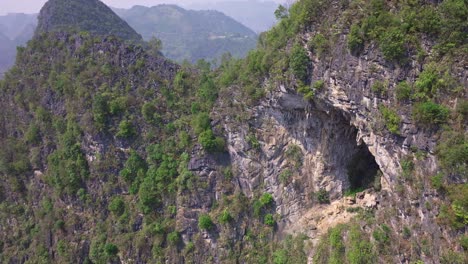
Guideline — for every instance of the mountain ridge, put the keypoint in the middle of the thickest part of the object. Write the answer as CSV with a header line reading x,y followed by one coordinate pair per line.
x,y
341,139
188,34
83,15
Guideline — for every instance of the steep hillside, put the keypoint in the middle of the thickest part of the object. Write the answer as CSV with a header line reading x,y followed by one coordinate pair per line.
x,y
341,139
190,35
83,15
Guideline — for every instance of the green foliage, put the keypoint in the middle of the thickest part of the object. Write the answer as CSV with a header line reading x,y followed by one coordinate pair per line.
x,y
451,257
149,112
253,141
355,39
437,181
117,206
118,105
459,205
429,82
382,237
266,199
126,129
281,12
201,123
285,176
319,44
337,247
159,181
280,256
430,113
111,249
379,88
134,166
33,135
263,202
68,167
294,155
269,220
207,91
464,242
100,111
308,93
360,250
452,152
407,166
59,225
406,232
173,238
211,143
391,118
392,43
299,62
225,217
204,222
403,91
14,159
323,196
319,85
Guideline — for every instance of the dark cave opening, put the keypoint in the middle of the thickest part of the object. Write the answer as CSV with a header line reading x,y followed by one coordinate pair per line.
x,y
362,169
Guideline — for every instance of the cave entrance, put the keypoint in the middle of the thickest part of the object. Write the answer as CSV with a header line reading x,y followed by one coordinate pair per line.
x,y
362,170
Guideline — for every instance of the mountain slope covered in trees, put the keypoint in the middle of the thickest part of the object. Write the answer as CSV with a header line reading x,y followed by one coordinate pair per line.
x,y
341,139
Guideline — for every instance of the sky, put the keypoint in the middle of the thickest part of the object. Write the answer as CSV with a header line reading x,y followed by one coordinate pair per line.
x,y
33,6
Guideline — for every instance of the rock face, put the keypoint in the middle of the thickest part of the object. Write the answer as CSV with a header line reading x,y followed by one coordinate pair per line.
x,y
336,132
84,15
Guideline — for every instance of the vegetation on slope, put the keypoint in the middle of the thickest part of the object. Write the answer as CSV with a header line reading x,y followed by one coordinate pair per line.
x,y
97,138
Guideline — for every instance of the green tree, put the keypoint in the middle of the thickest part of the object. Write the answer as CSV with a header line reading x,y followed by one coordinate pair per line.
x,y
205,222
299,62
117,206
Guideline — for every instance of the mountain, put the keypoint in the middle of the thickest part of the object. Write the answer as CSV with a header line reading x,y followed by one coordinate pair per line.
x,y
8,50
15,30
342,138
18,26
257,15
190,35
83,15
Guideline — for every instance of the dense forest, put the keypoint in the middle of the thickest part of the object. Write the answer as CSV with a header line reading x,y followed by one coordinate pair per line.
x,y
342,138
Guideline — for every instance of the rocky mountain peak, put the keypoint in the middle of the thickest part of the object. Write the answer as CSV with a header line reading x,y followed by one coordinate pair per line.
x,y
84,15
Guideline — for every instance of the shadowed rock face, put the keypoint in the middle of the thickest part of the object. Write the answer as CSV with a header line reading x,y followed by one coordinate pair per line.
x,y
84,15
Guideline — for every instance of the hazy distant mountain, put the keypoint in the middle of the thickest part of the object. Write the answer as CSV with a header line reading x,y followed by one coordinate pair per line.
x,y
189,34
7,53
186,34
84,15
18,27
255,14
15,30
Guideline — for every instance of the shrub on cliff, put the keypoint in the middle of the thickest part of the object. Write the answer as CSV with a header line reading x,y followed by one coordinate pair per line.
x,y
211,143
205,222
430,113
299,62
